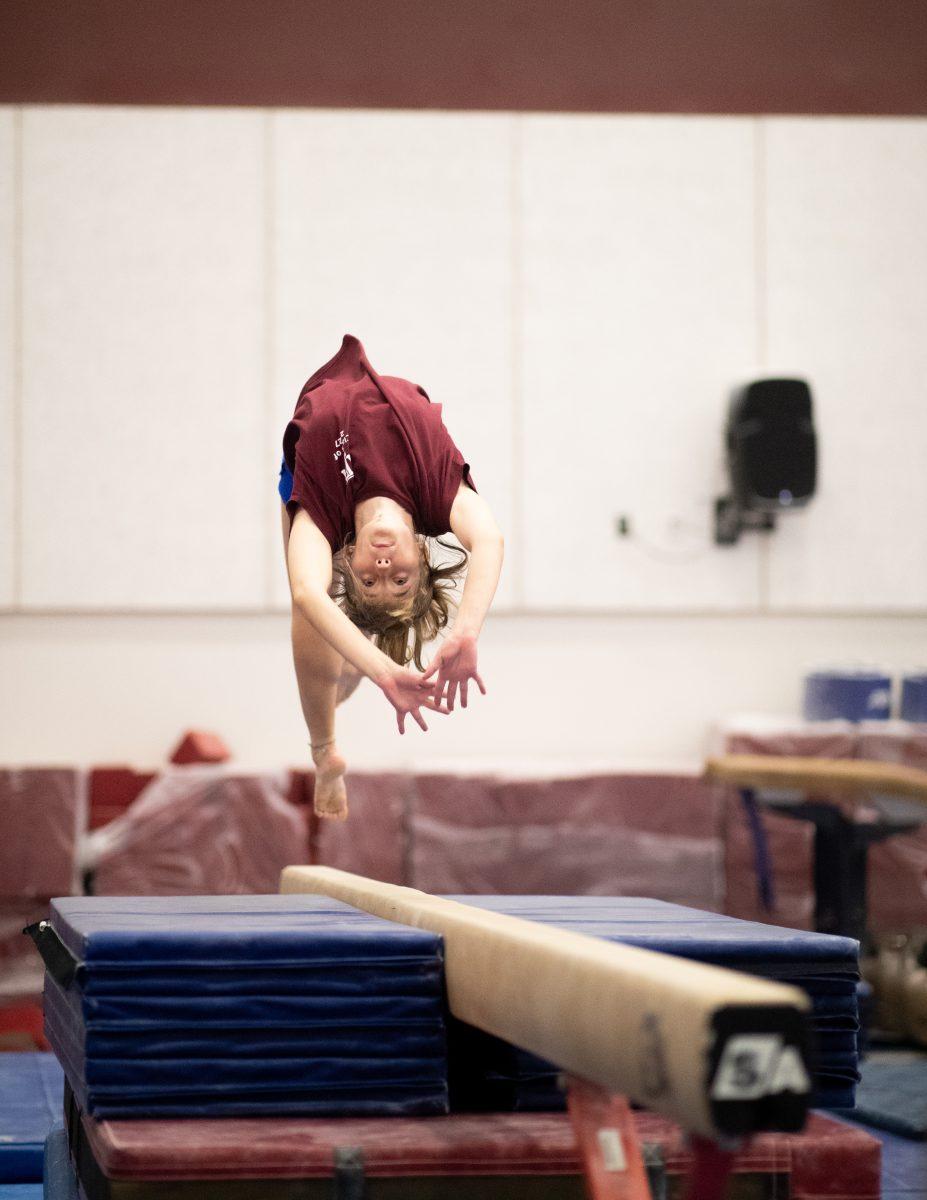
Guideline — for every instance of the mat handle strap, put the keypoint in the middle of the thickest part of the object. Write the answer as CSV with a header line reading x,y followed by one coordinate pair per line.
x,y
59,961
349,1180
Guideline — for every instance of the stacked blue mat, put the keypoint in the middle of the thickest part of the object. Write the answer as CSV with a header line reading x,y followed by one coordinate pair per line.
x,y
251,1005
488,1073
243,1005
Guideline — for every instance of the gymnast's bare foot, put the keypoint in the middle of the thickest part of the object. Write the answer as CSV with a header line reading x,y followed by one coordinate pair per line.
x,y
330,799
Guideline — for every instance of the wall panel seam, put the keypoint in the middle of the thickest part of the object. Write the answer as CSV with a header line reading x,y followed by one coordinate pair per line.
x,y
18,337
515,548
268,165
761,304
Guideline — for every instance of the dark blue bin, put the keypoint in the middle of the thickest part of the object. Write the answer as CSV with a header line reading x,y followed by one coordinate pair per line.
x,y
847,696
914,698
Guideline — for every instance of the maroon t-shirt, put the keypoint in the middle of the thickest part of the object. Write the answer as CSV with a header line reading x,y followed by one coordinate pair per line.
x,y
356,434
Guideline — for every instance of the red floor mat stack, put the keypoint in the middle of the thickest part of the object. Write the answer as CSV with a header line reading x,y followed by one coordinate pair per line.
x,y
44,812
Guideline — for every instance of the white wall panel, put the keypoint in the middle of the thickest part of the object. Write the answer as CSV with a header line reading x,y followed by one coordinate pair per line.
x,y
8,185
638,297
847,271
144,447
396,227
68,692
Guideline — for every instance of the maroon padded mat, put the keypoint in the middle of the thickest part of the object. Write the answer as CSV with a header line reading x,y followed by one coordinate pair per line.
x,y
180,1158
634,834
44,814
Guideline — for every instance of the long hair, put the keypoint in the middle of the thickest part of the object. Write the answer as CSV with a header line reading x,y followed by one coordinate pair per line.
x,y
402,630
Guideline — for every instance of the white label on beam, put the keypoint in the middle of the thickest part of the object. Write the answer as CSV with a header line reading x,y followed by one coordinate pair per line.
x,y
758,1064
612,1150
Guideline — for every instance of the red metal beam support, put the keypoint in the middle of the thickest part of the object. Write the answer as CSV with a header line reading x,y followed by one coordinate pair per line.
x,y
613,1161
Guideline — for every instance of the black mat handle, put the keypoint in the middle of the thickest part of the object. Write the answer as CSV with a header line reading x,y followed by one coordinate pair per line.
x,y
349,1181
59,961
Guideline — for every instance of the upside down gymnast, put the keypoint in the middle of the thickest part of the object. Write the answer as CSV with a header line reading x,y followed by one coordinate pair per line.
x,y
369,476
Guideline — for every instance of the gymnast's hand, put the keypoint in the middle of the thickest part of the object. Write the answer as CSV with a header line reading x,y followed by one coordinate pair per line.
x,y
455,665
408,692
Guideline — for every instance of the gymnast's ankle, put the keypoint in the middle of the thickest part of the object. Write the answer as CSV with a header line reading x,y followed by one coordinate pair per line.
x,y
323,749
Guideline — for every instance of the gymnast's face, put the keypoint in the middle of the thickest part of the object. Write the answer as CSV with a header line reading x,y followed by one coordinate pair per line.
x,y
387,559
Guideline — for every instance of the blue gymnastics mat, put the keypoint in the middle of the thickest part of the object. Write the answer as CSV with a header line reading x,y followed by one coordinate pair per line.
x,y
60,1177
688,932
31,1101
893,1092
243,1005
487,1071
253,1005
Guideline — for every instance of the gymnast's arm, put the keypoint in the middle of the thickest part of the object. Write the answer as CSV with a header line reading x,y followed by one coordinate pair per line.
x,y
309,563
474,526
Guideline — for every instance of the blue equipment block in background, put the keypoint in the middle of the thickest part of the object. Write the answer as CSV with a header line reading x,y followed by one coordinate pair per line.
x,y
31,1101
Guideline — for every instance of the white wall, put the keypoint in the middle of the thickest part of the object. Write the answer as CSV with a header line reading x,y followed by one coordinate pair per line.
x,y
846,288
578,291
143,387
9,279
639,303
565,693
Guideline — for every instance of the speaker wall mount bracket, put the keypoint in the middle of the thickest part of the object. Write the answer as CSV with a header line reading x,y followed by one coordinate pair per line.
x,y
731,520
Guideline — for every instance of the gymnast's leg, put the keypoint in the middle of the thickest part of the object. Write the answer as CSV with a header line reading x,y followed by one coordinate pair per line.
x,y
324,680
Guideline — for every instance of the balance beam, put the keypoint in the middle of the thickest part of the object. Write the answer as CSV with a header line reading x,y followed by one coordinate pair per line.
x,y
722,1053
850,777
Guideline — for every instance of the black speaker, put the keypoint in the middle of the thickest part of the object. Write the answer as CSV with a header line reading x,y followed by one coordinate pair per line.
x,y
771,455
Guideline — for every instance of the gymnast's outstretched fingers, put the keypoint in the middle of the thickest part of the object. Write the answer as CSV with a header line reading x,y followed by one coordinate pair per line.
x,y
455,665
408,692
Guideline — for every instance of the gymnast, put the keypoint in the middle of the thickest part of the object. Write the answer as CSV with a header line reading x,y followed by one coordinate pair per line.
x,y
369,474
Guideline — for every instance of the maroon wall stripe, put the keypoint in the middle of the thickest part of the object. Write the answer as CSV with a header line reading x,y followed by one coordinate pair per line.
x,y
685,56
